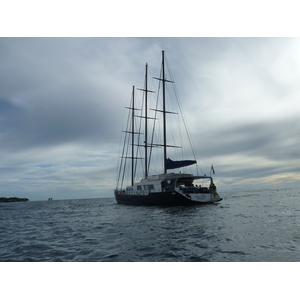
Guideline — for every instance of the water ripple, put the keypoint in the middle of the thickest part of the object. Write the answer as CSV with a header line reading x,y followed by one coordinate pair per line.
x,y
247,226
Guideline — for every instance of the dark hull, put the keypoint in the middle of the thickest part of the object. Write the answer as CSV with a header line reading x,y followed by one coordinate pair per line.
x,y
158,199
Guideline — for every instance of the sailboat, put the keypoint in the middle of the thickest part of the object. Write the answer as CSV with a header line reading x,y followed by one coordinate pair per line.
x,y
165,188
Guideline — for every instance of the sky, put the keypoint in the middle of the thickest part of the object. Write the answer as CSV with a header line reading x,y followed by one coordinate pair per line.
x,y
62,99
62,104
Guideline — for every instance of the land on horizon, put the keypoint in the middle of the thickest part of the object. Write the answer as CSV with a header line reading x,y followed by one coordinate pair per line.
x,y
13,199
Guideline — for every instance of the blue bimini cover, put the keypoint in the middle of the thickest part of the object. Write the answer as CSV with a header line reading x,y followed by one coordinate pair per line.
x,y
170,164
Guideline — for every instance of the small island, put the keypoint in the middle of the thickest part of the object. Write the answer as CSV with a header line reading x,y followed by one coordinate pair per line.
x,y
13,199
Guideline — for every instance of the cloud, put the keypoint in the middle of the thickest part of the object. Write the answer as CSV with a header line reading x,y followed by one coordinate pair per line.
x,y
62,107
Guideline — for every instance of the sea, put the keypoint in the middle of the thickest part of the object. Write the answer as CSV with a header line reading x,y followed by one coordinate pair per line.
x,y
248,226
247,244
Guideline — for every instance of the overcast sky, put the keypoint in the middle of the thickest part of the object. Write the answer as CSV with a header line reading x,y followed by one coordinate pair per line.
x,y
62,102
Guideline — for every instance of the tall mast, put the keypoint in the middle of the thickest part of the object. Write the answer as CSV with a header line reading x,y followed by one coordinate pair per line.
x,y
164,111
164,80
132,139
146,123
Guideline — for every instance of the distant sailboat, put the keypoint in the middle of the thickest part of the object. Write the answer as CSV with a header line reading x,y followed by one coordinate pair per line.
x,y
166,189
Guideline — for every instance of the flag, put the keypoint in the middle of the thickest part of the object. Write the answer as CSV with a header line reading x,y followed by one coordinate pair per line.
x,y
212,169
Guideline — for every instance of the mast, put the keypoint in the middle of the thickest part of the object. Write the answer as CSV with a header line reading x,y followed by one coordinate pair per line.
x,y
146,91
132,139
164,111
146,123
164,80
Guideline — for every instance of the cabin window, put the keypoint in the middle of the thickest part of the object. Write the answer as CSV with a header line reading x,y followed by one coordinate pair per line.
x,y
139,187
149,187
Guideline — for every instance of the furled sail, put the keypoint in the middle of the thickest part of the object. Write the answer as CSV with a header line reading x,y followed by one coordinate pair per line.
x,y
170,164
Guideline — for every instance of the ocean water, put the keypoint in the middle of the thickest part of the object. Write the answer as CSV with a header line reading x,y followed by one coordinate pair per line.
x,y
254,226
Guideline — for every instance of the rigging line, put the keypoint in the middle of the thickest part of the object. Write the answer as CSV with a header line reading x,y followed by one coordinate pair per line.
x,y
124,147
180,153
187,131
120,161
124,160
186,127
175,127
183,117
119,151
175,107
127,141
156,59
154,125
139,137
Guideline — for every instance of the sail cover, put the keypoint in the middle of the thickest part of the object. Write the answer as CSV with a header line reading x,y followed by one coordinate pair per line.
x,y
170,164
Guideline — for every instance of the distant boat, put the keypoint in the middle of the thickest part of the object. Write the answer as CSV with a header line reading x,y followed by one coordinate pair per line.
x,y
50,199
165,189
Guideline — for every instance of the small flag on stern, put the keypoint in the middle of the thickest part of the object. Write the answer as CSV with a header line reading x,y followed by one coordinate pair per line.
x,y
212,169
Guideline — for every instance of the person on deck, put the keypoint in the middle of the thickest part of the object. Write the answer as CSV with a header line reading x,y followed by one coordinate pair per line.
x,y
213,189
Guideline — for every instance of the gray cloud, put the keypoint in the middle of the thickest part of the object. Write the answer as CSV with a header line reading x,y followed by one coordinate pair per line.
x,y
62,104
